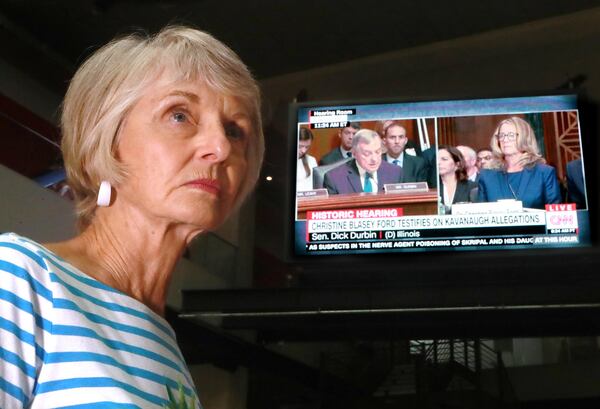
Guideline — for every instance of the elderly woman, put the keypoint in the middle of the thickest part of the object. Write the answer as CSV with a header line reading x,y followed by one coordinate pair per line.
x,y
161,140
524,174
454,184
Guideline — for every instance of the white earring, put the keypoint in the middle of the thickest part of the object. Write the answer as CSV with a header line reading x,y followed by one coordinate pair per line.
x,y
104,194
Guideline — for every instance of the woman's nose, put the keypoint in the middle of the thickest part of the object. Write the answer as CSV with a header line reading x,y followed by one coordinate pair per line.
x,y
215,146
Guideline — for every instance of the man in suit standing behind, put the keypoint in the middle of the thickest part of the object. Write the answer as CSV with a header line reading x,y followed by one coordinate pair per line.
x,y
366,172
414,168
344,151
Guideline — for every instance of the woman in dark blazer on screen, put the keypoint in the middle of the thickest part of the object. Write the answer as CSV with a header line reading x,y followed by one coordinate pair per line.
x,y
454,185
524,174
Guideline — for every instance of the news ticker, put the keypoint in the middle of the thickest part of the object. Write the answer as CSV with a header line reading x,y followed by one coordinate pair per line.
x,y
372,229
479,242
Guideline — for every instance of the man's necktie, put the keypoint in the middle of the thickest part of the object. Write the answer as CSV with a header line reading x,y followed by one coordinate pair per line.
x,y
368,186
349,154
396,162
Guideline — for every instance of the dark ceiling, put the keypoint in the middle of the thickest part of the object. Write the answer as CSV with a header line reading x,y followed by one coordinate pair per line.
x,y
49,38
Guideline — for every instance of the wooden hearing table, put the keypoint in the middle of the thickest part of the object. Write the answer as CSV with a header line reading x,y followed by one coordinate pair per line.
x,y
412,203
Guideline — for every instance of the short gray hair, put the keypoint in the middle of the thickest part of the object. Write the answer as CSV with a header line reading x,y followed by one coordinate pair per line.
x,y
364,136
467,151
111,81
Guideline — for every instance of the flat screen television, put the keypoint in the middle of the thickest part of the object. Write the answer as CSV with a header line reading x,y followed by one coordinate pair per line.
x,y
340,208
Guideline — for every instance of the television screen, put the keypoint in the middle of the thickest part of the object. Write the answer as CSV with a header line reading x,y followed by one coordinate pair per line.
x,y
446,175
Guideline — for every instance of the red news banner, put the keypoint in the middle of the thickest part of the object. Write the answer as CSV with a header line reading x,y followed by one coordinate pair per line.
x,y
351,224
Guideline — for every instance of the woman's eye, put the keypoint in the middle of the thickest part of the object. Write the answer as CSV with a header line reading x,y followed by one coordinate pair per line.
x,y
179,117
234,131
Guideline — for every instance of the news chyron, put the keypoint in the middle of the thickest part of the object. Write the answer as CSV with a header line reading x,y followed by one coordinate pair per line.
x,y
386,177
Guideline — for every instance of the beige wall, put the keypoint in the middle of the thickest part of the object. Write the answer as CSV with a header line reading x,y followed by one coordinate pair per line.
x,y
32,211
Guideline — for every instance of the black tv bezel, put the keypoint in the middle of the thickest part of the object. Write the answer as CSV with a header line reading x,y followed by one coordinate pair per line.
x,y
548,265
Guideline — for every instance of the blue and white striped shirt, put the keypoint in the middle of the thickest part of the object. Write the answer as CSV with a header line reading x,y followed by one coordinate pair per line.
x,y
69,341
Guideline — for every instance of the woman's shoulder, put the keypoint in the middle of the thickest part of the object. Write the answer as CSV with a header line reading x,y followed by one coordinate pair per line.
x,y
25,276
14,247
29,263
543,168
23,258
487,174
33,270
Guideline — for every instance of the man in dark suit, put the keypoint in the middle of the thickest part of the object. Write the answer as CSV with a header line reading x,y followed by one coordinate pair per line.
x,y
430,157
575,184
344,151
366,172
414,168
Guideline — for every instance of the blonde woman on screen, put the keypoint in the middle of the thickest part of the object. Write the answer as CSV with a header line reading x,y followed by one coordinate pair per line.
x,y
524,174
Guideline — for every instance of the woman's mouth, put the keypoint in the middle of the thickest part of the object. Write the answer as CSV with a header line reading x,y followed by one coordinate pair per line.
x,y
211,186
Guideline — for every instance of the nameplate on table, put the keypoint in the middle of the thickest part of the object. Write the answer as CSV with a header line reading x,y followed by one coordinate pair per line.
x,y
501,206
313,193
408,187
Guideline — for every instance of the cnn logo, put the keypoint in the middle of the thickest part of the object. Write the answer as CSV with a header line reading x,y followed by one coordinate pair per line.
x,y
562,220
